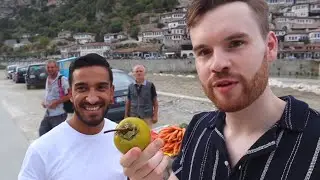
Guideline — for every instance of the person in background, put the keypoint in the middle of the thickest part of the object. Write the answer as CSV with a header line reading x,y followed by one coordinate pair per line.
x,y
142,99
253,134
78,148
53,101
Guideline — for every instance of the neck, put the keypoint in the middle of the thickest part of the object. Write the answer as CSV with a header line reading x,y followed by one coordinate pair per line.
x,y
259,117
54,76
140,81
81,127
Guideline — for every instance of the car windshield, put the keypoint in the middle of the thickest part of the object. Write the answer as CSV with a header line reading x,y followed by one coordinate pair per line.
x,y
121,80
12,68
23,69
37,69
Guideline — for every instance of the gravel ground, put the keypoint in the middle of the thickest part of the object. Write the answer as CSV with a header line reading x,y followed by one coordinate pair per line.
x,y
192,87
24,105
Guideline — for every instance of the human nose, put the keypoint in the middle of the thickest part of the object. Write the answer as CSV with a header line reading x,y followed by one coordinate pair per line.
x,y
92,98
219,61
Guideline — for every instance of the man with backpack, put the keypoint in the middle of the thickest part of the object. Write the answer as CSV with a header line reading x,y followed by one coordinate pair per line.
x,y
56,97
142,98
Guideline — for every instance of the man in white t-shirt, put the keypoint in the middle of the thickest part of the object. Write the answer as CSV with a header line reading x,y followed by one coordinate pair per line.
x,y
77,149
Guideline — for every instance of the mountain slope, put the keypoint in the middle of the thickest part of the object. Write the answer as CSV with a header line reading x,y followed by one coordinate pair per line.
x,y
96,16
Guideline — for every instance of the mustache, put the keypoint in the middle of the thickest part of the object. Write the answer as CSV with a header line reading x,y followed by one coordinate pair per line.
x,y
101,103
223,75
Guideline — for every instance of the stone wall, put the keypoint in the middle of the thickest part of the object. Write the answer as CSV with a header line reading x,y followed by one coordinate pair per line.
x,y
290,68
156,66
295,68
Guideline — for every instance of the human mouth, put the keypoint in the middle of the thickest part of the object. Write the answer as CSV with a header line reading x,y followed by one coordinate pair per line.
x,y
225,86
92,108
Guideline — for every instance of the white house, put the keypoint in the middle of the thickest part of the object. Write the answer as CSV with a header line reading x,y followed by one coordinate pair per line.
x,y
279,32
114,37
314,36
175,24
99,48
280,2
187,53
83,38
64,34
296,37
315,7
306,1
156,34
300,10
172,16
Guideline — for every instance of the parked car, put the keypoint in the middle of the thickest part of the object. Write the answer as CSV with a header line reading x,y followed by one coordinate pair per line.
x,y
19,75
121,81
36,75
9,70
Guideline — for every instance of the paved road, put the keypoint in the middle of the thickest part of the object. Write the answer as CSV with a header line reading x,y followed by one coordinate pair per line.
x,y
13,144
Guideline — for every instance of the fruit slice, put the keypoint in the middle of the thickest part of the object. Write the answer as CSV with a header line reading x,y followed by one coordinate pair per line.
x,y
132,132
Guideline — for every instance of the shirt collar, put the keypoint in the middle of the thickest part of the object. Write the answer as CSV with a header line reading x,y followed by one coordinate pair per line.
x,y
294,117
144,82
54,78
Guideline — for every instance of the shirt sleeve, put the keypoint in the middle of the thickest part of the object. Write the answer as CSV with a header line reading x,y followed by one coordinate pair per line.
x,y
33,167
65,85
153,91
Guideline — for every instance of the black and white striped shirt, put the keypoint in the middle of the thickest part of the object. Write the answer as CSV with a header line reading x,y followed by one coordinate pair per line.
x,y
288,151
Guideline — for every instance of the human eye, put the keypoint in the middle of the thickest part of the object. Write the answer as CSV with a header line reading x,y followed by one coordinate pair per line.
x,y
103,87
203,52
235,44
81,88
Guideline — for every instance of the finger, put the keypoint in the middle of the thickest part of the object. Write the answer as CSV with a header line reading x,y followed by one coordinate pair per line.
x,y
149,152
131,156
150,165
159,171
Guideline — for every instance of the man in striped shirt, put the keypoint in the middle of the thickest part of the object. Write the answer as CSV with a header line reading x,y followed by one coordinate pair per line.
x,y
254,134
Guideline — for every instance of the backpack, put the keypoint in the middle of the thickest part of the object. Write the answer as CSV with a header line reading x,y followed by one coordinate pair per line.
x,y
67,106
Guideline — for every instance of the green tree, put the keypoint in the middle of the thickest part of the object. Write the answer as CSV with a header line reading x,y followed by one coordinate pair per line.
x,y
43,42
134,31
115,26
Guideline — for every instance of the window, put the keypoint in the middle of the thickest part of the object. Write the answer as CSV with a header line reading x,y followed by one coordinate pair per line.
x,y
37,69
121,80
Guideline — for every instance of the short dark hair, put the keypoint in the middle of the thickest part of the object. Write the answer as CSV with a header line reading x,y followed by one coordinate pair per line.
x,y
198,8
89,60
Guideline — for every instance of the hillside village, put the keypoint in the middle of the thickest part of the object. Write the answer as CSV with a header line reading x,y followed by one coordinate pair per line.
x,y
295,22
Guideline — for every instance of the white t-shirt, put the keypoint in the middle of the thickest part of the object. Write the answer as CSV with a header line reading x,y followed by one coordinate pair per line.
x,y
65,154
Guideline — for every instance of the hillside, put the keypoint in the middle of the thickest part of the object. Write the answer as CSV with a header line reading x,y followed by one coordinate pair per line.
x,y
95,16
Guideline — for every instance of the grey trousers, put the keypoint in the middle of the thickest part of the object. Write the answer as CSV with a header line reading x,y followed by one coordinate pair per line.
x,y
49,122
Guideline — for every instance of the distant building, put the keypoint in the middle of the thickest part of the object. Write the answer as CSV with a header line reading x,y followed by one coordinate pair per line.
x,y
314,36
300,51
296,37
64,34
114,37
99,48
83,38
280,2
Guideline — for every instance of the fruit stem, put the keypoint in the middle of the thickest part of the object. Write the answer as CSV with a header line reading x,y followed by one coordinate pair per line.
x,y
122,130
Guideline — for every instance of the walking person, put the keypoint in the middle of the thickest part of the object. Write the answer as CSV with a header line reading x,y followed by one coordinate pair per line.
x,y
142,99
78,149
56,85
253,134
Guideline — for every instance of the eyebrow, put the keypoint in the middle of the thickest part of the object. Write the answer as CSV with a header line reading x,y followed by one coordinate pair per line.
x,y
196,48
85,84
229,38
236,36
